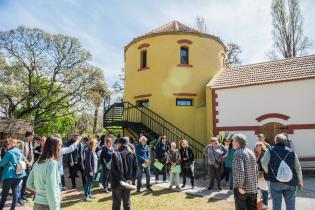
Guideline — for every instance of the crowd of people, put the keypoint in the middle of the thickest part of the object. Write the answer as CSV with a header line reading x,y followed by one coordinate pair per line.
x,y
119,164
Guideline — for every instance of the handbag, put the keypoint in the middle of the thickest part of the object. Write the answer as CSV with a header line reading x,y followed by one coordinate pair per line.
x,y
217,164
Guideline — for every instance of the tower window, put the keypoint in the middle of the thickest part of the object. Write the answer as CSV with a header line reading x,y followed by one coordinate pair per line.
x,y
184,102
184,55
143,61
143,103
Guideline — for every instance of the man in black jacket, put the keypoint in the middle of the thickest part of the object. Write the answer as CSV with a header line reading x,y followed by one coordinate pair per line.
x,y
161,150
123,168
74,163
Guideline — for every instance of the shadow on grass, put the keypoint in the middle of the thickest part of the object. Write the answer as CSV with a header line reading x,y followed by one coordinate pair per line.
x,y
70,200
192,196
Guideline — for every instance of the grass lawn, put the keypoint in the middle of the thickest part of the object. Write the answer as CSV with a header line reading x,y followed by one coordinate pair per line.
x,y
160,199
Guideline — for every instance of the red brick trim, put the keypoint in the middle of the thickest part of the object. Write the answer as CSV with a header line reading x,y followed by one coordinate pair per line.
x,y
184,94
144,45
307,158
143,69
239,128
272,115
257,129
293,127
184,65
184,41
214,116
142,96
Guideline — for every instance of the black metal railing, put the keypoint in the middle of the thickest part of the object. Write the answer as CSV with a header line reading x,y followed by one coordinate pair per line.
x,y
125,114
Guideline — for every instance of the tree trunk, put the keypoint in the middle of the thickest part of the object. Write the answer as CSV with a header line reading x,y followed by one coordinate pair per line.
x,y
95,119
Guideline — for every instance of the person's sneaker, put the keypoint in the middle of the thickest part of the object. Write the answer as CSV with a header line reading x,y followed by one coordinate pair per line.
x,y
20,203
210,188
64,189
106,190
170,187
109,189
138,191
92,196
150,189
264,207
220,188
177,188
192,187
183,186
87,199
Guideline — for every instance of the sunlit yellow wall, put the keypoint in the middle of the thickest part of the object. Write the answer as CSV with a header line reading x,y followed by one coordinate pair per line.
x,y
164,77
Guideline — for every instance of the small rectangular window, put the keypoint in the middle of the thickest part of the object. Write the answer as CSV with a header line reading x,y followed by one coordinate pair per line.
x,y
184,55
143,103
184,102
143,63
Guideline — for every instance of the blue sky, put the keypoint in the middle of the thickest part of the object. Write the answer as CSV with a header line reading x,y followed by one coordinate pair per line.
x,y
104,27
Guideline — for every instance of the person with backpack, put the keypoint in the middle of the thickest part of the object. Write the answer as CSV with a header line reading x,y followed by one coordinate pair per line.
x,y
244,170
187,162
123,170
12,174
106,160
284,172
160,151
215,152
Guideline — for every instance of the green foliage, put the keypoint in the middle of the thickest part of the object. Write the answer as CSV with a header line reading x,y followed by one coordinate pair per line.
x,y
46,78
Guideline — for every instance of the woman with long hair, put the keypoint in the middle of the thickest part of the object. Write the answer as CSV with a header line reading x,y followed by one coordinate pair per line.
x,y
187,161
44,178
10,177
90,168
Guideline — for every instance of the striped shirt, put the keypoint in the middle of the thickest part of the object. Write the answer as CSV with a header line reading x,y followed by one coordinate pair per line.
x,y
244,170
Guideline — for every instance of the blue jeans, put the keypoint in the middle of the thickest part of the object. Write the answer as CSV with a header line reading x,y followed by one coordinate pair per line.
x,y
147,176
265,195
23,187
88,186
280,189
14,185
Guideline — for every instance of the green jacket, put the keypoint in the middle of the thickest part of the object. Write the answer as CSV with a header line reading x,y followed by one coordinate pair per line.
x,y
229,158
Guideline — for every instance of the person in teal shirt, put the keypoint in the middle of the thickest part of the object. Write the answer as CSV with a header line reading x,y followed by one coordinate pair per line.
x,y
44,178
9,176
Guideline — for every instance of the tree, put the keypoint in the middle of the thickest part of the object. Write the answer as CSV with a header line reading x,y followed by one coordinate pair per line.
x,y
288,38
201,24
45,76
97,94
232,55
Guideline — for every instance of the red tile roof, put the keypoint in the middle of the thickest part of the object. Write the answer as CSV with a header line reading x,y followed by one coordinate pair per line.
x,y
174,27
266,72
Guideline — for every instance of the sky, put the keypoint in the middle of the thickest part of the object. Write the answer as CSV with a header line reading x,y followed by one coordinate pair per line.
x,y
104,27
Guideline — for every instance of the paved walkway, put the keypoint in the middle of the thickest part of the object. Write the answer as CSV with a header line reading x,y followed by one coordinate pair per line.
x,y
304,201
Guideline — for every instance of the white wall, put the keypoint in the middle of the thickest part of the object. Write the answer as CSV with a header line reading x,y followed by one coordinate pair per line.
x,y
241,106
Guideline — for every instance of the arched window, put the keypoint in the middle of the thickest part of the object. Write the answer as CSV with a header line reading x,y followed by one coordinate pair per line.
x,y
184,54
143,59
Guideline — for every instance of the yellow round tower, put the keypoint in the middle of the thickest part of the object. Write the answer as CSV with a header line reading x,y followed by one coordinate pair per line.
x,y
167,71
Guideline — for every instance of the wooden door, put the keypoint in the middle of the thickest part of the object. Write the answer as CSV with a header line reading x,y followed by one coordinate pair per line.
x,y
270,130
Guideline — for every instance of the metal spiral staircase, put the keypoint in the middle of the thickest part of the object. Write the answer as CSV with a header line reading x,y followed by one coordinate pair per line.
x,y
136,120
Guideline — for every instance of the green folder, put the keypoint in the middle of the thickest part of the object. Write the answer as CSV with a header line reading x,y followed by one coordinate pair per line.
x,y
176,169
158,165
